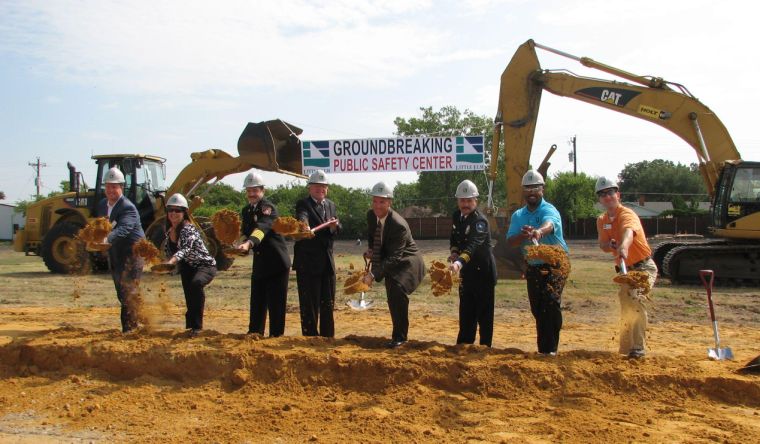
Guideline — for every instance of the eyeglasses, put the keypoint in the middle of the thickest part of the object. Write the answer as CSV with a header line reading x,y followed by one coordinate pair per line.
x,y
532,187
605,193
175,210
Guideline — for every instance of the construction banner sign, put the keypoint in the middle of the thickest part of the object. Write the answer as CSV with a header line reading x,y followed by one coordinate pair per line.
x,y
456,153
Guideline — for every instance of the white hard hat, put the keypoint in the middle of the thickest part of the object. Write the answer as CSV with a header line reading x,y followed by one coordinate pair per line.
x,y
253,180
603,183
382,190
114,175
320,177
177,200
532,178
466,189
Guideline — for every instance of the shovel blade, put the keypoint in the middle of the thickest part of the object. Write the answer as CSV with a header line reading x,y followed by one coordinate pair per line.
x,y
360,304
720,354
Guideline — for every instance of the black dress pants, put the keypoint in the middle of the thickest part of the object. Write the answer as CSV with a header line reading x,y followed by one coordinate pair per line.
x,y
126,274
316,299
398,305
194,279
545,296
476,301
269,294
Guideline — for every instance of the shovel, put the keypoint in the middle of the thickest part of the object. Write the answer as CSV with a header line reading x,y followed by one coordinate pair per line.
x,y
717,353
361,303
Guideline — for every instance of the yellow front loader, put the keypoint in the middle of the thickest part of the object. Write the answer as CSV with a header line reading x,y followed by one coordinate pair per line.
x,y
52,224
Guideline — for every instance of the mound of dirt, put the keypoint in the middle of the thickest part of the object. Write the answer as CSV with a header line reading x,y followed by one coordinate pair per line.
x,y
317,389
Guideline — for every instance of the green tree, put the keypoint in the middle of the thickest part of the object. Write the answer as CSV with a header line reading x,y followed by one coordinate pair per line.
x,y
573,195
22,205
662,180
436,189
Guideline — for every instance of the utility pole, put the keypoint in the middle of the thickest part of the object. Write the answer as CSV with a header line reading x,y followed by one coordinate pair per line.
x,y
37,181
573,157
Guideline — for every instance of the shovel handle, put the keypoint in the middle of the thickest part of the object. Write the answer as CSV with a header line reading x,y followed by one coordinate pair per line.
x,y
320,226
708,277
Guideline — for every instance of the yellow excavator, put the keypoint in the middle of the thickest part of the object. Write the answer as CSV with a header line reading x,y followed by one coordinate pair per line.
x,y
733,250
53,223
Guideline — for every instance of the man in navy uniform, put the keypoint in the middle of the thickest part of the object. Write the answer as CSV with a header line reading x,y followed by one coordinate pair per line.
x,y
126,267
313,259
472,258
271,262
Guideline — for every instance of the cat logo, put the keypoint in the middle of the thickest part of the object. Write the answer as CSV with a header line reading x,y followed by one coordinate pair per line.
x,y
612,96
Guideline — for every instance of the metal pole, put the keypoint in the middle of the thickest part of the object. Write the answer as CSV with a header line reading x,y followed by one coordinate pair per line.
x,y
575,158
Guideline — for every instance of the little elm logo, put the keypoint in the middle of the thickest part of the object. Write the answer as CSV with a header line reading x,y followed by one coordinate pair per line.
x,y
316,154
470,149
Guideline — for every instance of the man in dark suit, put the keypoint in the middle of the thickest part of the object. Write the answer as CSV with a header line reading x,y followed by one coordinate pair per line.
x,y
126,267
395,258
313,259
271,262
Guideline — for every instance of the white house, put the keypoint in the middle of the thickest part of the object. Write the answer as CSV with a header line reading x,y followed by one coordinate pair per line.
x,y
9,218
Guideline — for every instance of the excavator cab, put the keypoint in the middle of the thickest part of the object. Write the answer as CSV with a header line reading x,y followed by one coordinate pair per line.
x,y
735,211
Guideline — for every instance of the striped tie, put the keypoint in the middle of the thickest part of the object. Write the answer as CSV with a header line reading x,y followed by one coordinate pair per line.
x,y
376,243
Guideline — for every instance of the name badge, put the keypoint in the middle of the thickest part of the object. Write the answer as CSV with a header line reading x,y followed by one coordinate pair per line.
x,y
607,226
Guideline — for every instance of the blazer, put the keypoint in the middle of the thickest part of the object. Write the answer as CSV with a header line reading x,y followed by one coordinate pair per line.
x,y
270,253
400,259
315,255
126,232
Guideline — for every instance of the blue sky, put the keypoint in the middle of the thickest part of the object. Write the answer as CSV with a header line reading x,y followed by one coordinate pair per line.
x,y
174,77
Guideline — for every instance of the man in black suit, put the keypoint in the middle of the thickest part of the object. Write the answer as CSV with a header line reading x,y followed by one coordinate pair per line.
x,y
271,262
126,267
313,259
395,258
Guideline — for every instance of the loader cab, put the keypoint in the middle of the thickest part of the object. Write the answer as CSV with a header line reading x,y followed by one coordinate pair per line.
x,y
737,196
145,182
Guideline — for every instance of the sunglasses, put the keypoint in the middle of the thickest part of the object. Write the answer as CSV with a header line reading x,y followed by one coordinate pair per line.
x,y
605,193
175,210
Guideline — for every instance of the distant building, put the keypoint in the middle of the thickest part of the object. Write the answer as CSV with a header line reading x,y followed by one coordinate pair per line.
x,y
9,218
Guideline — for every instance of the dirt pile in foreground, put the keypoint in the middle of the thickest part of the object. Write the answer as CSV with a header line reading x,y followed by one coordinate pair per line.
x,y
162,386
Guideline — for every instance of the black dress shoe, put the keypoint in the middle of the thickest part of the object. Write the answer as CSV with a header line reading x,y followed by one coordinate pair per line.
x,y
394,344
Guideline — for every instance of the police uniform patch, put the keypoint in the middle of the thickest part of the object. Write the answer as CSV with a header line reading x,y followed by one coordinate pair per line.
x,y
266,210
481,227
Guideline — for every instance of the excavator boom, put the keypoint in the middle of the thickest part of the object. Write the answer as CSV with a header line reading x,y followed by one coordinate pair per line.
x,y
733,185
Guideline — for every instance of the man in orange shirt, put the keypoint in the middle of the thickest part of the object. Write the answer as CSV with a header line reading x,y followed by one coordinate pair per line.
x,y
621,233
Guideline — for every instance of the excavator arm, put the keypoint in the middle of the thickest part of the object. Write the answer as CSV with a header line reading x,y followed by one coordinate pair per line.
x,y
652,99
270,146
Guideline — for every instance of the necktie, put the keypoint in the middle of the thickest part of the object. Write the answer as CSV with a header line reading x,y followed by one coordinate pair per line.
x,y
321,209
376,243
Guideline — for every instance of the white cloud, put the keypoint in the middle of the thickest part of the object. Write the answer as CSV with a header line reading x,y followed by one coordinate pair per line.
x,y
203,47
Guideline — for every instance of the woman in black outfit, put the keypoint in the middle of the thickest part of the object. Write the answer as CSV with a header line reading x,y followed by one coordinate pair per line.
x,y
185,247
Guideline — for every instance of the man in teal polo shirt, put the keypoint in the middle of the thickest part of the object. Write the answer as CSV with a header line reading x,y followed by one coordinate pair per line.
x,y
541,221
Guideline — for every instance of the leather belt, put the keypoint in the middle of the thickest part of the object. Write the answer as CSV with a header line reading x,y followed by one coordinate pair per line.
x,y
641,262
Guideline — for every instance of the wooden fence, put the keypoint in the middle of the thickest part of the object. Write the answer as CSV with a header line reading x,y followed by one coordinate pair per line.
x,y
440,227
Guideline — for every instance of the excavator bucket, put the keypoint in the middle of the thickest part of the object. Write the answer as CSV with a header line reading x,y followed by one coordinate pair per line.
x,y
272,146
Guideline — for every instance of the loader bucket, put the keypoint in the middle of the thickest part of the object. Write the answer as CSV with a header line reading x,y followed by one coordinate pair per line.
x,y
272,146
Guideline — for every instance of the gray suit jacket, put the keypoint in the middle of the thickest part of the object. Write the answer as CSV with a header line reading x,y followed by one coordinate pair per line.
x,y
400,259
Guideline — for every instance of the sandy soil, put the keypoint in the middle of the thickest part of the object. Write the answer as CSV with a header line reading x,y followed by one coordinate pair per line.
x,y
67,374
